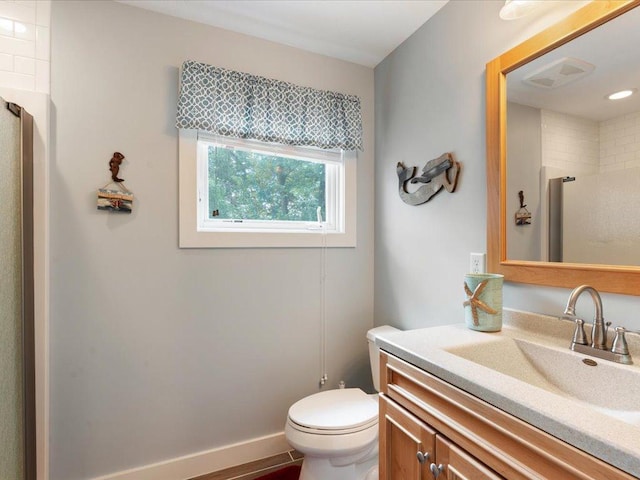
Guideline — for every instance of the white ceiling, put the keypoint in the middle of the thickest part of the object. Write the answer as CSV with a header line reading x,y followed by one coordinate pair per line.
x,y
613,49
358,31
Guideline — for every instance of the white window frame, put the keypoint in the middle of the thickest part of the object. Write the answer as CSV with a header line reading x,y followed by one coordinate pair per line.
x,y
196,231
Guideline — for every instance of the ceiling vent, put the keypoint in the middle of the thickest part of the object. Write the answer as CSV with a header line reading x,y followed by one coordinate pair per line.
x,y
558,73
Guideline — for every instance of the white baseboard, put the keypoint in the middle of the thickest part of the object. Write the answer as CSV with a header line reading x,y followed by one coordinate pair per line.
x,y
208,461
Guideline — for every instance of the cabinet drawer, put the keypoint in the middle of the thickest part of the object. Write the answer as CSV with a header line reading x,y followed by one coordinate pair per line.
x,y
507,445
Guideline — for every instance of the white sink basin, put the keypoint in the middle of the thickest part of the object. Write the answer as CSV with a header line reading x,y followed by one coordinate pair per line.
x,y
607,387
528,371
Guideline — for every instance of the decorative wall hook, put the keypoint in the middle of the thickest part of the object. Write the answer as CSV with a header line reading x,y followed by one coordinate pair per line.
x,y
119,199
437,173
114,166
523,216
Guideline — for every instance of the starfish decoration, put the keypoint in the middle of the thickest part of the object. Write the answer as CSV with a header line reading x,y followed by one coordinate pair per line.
x,y
475,301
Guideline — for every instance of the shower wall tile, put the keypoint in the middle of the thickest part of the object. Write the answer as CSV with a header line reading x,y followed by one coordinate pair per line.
x,y
24,65
16,46
20,11
24,31
43,44
25,44
43,13
6,62
569,142
573,144
18,81
620,142
42,76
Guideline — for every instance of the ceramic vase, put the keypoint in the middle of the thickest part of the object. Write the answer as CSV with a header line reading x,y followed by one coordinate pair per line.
x,y
483,301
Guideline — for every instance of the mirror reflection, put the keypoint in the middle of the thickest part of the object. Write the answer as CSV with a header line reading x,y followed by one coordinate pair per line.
x,y
573,154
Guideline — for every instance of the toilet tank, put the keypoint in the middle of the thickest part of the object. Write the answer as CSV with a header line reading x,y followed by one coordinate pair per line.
x,y
374,351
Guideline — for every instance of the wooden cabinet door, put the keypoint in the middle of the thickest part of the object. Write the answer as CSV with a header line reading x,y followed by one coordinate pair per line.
x,y
407,445
453,463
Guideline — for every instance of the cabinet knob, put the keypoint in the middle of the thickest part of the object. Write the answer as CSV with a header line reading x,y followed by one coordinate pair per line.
x,y
436,469
422,457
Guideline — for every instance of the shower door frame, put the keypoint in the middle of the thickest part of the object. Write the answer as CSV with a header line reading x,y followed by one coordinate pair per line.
x,y
28,300
28,293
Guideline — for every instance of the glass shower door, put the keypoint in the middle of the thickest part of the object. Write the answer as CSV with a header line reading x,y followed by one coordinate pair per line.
x,y
16,291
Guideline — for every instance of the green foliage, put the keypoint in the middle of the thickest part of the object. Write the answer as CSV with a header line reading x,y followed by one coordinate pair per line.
x,y
253,186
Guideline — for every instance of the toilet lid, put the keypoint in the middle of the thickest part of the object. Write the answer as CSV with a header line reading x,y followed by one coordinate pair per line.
x,y
342,409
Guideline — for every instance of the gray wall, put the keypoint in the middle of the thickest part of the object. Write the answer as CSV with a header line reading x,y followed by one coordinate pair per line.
x,y
158,352
525,160
430,99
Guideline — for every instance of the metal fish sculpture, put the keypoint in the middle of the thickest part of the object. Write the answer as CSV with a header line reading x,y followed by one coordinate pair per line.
x,y
437,173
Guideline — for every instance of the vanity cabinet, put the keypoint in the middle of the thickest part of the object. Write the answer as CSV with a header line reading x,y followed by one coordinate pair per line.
x,y
411,450
407,445
426,423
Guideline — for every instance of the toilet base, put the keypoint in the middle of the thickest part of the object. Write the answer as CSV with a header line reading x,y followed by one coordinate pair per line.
x,y
314,468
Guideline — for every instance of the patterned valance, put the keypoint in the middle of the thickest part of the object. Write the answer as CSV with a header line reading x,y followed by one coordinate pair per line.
x,y
241,105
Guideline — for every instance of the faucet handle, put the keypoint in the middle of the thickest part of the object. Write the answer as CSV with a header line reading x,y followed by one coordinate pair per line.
x,y
620,342
579,335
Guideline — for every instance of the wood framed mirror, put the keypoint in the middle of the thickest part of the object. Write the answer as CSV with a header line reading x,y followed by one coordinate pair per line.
x,y
624,279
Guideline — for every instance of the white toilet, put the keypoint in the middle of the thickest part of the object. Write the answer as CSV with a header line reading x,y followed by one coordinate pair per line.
x,y
337,430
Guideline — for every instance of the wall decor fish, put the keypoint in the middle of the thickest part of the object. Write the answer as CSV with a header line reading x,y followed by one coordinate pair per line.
x,y
437,173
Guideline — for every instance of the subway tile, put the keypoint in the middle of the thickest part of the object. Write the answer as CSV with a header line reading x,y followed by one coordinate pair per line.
x,y
15,46
612,167
24,31
43,13
632,117
632,164
17,81
6,62
43,43
625,157
625,140
630,129
607,160
43,82
19,11
24,65
6,27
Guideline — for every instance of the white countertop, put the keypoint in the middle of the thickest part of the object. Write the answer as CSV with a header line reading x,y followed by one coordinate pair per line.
x,y
579,424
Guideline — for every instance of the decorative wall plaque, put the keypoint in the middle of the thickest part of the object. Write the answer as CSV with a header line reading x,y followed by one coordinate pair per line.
x,y
437,173
120,198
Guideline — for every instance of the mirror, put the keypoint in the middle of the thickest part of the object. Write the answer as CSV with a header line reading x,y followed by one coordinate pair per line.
x,y
521,110
576,153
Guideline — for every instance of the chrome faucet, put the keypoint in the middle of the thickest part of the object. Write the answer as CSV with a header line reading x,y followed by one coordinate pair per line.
x,y
598,348
599,334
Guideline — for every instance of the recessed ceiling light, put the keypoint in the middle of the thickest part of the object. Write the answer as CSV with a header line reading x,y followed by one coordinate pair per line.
x,y
622,94
513,9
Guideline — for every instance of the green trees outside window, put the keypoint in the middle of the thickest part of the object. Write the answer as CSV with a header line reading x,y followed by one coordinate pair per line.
x,y
246,185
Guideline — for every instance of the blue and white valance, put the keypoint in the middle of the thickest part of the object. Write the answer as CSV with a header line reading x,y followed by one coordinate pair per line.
x,y
241,105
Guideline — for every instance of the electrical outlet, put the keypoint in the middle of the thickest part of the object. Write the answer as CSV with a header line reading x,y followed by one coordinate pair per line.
x,y
478,263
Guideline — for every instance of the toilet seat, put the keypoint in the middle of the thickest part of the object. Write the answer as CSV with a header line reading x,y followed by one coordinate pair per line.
x,y
334,412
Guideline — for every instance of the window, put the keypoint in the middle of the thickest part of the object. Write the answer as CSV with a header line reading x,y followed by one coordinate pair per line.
x,y
247,193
